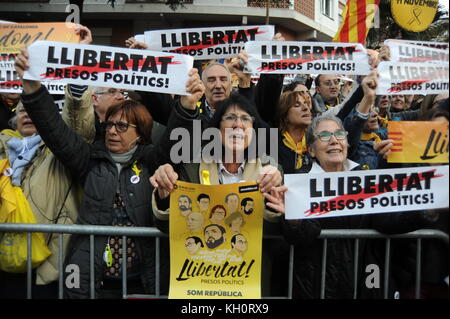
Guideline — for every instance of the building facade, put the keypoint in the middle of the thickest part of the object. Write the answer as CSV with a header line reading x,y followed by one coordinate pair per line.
x,y
297,20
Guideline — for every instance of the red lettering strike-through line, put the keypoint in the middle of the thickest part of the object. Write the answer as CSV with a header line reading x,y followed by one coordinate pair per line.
x,y
420,60
11,83
398,86
99,69
355,197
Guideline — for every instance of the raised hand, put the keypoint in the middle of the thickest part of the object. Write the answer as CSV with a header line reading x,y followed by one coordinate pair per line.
x,y
132,43
21,65
84,33
195,87
164,179
269,177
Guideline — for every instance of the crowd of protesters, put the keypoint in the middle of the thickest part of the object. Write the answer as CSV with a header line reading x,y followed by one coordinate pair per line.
x,y
106,137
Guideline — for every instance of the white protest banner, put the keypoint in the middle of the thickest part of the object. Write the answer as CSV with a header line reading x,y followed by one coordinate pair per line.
x,y
10,81
207,43
412,78
431,44
109,67
288,57
366,192
404,51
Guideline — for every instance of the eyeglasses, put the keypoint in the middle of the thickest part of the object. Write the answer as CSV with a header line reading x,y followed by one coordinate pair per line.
x,y
121,127
326,136
245,119
114,92
332,82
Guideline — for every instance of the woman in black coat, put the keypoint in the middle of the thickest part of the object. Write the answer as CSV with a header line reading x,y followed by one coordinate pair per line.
x,y
328,145
115,173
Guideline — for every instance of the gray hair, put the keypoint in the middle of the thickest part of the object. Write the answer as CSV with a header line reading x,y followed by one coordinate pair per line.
x,y
213,64
310,134
12,122
97,89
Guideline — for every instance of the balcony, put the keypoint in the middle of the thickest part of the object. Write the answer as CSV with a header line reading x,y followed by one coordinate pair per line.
x,y
282,4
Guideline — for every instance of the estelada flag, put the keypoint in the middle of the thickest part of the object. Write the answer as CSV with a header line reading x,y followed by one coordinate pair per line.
x,y
358,18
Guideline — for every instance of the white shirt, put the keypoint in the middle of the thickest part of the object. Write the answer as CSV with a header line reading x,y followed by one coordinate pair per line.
x,y
348,166
226,177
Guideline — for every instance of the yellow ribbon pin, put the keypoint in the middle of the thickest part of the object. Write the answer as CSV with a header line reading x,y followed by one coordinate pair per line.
x,y
205,177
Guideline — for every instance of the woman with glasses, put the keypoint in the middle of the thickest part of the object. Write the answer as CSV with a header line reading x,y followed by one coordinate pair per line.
x,y
236,124
114,173
328,145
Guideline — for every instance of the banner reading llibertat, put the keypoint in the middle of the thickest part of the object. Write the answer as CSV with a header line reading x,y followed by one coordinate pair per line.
x,y
215,241
291,57
337,194
417,52
207,43
412,78
107,66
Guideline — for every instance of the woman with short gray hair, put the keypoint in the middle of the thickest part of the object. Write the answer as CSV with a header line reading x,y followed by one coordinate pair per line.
x,y
328,146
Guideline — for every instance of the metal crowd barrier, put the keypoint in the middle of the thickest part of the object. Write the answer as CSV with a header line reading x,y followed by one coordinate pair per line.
x,y
94,230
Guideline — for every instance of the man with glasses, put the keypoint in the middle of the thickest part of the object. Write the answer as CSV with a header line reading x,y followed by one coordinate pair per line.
x,y
328,88
84,99
103,98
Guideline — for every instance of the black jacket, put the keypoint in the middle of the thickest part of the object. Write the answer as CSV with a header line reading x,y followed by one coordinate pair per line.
x,y
93,167
6,113
339,280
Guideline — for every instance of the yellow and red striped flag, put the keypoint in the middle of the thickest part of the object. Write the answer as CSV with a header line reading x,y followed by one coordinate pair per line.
x,y
358,18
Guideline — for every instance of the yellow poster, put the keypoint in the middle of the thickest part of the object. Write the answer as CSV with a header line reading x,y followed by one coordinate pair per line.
x,y
418,142
413,15
15,36
215,241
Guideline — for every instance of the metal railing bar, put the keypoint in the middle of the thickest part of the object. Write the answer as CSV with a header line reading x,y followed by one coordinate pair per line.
x,y
96,230
124,267
29,265
157,266
60,264
355,269
291,271
324,266
418,266
386,267
83,229
373,234
91,266
154,232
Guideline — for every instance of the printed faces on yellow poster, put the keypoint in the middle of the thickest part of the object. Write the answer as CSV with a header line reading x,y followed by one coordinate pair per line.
x,y
418,142
215,241
15,36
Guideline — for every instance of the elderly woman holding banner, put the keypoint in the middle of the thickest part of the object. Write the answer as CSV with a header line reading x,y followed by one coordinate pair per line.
x,y
328,146
115,175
